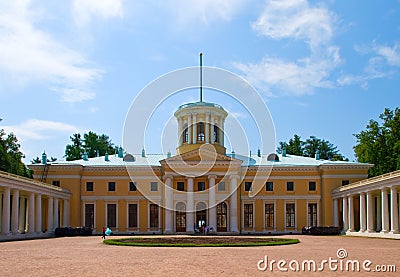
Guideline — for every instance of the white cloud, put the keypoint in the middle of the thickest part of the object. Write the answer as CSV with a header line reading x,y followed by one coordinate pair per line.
x,y
295,19
205,11
299,21
85,10
36,129
381,64
28,54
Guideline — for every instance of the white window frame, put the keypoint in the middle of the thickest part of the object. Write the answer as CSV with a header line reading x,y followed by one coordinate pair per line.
x,y
137,215
274,203
116,213
312,202
254,219
94,216
295,214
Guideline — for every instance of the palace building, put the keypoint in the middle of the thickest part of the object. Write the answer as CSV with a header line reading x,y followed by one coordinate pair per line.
x,y
200,186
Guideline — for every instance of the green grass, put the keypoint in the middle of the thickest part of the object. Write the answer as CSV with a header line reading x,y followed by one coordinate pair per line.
x,y
132,242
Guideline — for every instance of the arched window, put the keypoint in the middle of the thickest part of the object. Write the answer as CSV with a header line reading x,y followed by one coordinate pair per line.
x,y
200,131
216,133
185,134
180,218
222,217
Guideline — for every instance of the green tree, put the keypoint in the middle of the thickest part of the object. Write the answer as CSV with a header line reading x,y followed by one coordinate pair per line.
x,y
293,147
11,156
91,143
310,147
379,144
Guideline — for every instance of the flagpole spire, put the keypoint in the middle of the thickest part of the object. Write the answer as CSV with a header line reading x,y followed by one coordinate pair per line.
x,y
201,77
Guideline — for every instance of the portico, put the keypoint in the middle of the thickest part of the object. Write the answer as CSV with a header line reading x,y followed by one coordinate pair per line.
x,y
30,209
376,212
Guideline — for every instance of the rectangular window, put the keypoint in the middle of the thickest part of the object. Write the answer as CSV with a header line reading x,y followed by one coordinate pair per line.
x,y
248,216
312,214
56,183
153,216
180,186
132,215
132,186
111,186
221,186
112,215
89,215
269,215
248,186
201,186
290,215
89,186
345,182
154,186
312,186
290,186
269,186
216,134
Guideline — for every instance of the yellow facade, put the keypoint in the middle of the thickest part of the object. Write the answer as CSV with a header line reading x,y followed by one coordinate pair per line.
x,y
201,186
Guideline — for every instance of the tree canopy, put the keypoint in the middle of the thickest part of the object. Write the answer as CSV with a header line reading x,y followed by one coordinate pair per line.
x,y
379,144
11,156
309,147
91,143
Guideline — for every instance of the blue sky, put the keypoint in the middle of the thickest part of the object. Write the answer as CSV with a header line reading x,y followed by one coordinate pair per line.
x,y
323,68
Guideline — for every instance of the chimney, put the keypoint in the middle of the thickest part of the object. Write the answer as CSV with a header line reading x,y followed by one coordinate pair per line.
x,y
143,153
106,157
120,152
284,152
44,158
258,152
85,156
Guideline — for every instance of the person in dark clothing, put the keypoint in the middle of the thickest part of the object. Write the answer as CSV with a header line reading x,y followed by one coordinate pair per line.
x,y
104,233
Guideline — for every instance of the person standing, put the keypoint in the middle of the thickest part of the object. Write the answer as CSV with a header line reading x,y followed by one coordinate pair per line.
x,y
104,233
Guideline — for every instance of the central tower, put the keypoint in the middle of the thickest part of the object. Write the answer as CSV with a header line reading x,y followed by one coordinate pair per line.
x,y
200,123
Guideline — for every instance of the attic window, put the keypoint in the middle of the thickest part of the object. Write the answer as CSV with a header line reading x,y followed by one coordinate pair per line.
x,y
129,158
273,157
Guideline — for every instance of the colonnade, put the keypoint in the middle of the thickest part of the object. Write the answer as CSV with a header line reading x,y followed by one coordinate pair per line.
x,y
30,208
378,210
191,123
190,201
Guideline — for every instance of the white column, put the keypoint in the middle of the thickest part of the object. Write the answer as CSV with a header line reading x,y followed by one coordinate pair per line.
x,y
221,132
194,129
212,212
38,224
14,215
345,214
180,133
22,215
363,215
55,220
66,213
189,129
50,210
31,213
233,187
212,129
190,206
378,213
335,212
394,216
168,204
385,211
351,213
207,126
5,219
370,212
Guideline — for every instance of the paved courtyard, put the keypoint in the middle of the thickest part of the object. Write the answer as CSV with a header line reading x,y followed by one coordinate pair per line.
x,y
88,256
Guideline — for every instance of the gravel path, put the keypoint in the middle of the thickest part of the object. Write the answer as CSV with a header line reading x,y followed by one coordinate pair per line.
x,y
88,256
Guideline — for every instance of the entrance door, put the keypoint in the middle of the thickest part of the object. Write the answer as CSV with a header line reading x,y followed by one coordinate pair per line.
x,y
180,217
201,215
222,216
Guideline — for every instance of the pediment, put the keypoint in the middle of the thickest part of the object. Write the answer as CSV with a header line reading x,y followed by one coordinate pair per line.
x,y
198,155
